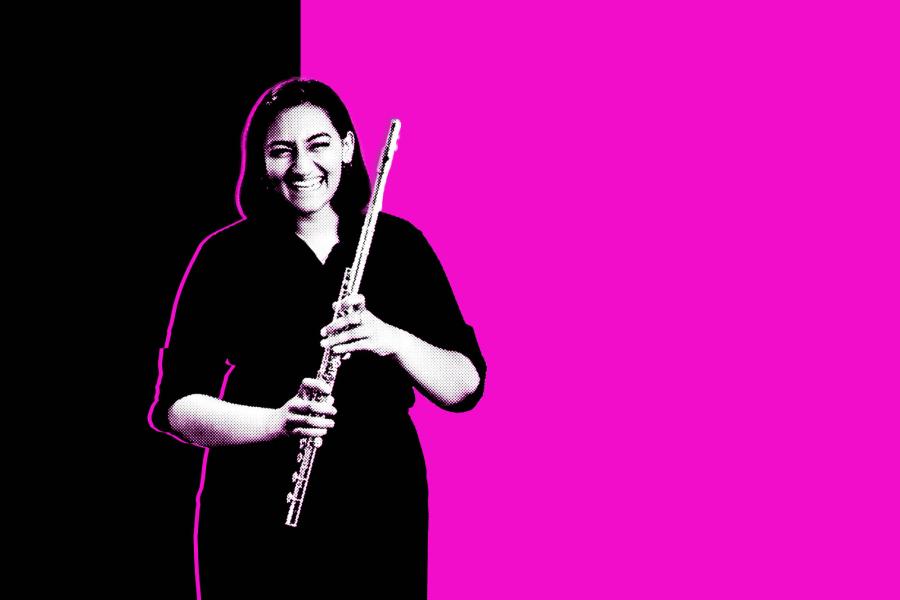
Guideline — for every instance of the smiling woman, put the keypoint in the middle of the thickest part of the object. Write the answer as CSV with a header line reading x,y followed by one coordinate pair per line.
x,y
305,156
249,329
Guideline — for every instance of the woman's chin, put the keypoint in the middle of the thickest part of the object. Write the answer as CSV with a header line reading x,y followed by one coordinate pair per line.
x,y
308,206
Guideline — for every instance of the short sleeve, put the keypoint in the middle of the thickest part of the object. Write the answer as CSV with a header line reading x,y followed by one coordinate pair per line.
x,y
193,361
438,319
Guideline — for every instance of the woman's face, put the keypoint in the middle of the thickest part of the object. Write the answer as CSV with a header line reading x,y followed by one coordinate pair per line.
x,y
304,154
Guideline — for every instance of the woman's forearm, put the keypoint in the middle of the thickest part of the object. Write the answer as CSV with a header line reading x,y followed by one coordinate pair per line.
x,y
445,377
208,421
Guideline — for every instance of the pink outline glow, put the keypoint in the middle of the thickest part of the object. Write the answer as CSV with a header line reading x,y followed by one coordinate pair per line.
x,y
237,201
159,363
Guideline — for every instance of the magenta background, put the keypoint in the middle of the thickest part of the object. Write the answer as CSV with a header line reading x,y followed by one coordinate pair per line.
x,y
674,229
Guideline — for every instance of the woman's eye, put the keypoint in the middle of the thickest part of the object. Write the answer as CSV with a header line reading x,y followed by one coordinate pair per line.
x,y
279,152
319,145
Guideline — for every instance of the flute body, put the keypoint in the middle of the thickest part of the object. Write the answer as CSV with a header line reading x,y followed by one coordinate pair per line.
x,y
331,361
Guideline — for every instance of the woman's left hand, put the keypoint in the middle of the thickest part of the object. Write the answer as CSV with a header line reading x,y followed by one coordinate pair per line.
x,y
359,330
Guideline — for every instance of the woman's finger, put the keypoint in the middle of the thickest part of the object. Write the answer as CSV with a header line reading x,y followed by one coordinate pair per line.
x,y
303,406
353,346
310,421
357,333
297,420
317,384
325,407
309,432
353,302
341,323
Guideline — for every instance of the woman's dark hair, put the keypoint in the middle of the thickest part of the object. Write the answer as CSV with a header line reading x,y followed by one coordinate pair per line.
x,y
255,198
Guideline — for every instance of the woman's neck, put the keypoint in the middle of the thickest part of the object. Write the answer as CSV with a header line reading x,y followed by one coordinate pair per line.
x,y
319,230
318,227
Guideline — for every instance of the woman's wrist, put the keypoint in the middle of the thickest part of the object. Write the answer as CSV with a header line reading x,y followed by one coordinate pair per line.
x,y
272,425
402,344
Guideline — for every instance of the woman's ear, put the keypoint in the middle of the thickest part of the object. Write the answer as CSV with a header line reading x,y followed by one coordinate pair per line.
x,y
348,145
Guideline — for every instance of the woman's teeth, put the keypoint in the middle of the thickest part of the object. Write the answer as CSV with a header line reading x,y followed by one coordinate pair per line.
x,y
312,184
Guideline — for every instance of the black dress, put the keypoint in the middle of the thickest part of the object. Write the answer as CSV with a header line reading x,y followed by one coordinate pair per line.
x,y
247,325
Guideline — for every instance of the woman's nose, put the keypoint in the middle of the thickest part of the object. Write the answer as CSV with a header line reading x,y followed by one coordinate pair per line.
x,y
303,164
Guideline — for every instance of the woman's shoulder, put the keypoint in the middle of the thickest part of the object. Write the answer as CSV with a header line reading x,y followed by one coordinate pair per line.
x,y
219,251
404,244
227,243
398,228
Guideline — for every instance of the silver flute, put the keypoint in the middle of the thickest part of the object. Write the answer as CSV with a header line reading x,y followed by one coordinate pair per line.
x,y
332,360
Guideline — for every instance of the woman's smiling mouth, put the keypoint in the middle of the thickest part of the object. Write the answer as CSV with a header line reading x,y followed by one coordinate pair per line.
x,y
307,184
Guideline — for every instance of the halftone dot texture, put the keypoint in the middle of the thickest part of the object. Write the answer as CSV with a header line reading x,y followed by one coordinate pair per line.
x,y
258,298
674,226
303,159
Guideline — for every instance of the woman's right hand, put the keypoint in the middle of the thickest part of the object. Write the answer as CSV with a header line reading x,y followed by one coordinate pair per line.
x,y
302,416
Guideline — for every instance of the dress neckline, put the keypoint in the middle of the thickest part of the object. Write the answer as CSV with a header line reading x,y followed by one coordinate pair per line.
x,y
349,228
328,253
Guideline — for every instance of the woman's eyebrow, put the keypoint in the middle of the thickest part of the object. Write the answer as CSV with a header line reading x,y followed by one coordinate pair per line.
x,y
292,144
281,143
